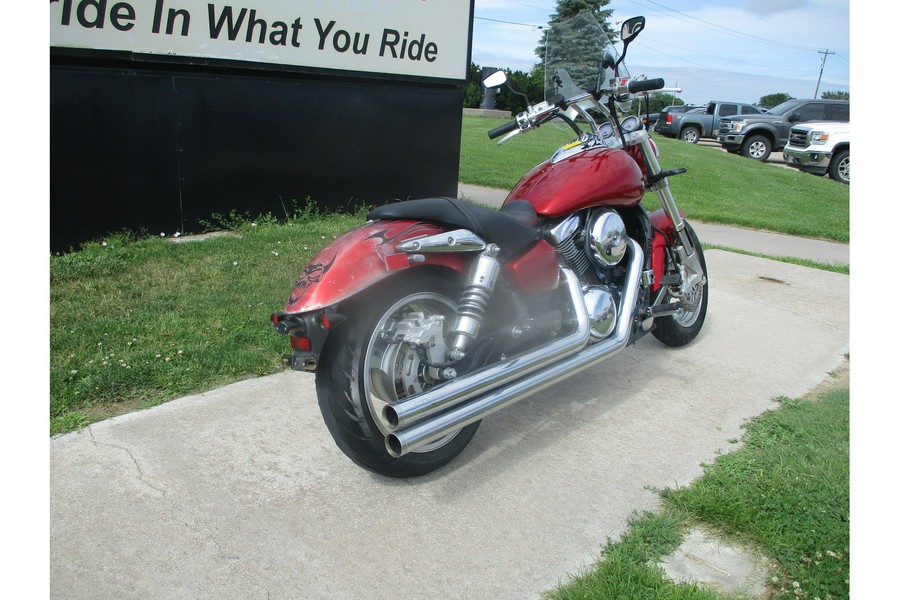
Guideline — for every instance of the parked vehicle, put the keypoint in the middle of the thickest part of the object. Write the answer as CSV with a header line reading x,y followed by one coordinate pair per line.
x,y
758,136
667,115
693,125
438,312
820,148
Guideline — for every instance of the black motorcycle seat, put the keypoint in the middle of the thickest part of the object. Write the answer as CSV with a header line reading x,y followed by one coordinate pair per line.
x,y
514,228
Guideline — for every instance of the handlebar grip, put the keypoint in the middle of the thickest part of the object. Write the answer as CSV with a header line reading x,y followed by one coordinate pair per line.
x,y
503,129
647,85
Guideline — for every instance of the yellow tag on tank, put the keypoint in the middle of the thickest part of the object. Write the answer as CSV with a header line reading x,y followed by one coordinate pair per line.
x,y
571,145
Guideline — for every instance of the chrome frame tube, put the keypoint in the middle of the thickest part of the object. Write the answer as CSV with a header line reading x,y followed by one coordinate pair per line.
x,y
402,441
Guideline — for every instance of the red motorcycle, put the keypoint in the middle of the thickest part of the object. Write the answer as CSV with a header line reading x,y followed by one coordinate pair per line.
x,y
438,312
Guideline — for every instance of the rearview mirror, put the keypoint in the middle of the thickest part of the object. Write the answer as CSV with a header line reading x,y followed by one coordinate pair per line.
x,y
631,28
495,79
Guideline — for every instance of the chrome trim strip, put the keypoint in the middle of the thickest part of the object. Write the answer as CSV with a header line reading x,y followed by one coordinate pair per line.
x,y
458,240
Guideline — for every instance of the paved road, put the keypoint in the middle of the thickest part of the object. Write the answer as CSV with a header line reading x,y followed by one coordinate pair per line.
x,y
240,492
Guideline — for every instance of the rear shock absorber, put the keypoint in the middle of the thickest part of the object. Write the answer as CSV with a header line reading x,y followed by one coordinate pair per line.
x,y
474,300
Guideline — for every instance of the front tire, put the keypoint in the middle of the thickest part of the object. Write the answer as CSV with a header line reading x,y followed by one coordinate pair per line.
x,y
757,147
364,366
839,169
682,327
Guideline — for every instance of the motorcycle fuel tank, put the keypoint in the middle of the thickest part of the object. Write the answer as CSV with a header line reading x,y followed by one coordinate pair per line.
x,y
593,177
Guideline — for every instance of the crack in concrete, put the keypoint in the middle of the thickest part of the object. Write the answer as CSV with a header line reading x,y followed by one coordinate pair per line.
x,y
230,560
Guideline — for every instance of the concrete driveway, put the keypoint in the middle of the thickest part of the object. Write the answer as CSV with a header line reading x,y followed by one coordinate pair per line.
x,y
241,493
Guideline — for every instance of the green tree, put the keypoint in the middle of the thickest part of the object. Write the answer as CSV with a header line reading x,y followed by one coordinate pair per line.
x,y
472,87
566,9
836,96
772,100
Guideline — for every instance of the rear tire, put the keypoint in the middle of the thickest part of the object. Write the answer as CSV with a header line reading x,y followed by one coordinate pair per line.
x,y
682,327
363,367
691,135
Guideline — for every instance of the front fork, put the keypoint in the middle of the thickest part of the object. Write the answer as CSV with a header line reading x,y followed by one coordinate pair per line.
x,y
688,258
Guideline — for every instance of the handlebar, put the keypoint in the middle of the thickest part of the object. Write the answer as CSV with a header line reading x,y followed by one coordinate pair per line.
x,y
647,85
503,129
535,115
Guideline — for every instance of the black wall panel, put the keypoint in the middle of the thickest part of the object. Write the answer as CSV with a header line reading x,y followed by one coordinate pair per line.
x,y
160,149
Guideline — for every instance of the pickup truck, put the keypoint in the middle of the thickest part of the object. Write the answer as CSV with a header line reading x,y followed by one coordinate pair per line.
x,y
693,125
757,136
820,148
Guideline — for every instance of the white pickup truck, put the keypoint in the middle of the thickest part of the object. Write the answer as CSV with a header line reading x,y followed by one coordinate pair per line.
x,y
820,148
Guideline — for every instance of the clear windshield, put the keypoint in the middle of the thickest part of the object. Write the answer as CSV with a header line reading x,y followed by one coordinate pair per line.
x,y
579,58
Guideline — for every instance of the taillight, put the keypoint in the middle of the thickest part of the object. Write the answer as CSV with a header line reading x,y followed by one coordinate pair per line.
x,y
668,119
300,343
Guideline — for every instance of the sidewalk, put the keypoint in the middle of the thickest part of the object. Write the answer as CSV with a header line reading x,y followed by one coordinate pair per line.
x,y
762,242
239,492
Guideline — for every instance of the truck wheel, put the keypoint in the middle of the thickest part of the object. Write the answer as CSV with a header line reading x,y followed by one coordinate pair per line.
x,y
839,169
757,147
691,135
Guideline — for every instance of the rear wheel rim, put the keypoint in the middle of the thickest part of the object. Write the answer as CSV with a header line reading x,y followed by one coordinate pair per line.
x,y
400,361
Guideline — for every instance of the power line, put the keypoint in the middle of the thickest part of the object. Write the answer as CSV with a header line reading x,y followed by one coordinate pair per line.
x,y
511,23
720,29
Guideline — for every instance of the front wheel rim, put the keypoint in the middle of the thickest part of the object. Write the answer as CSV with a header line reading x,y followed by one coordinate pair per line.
x,y
844,169
693,297
757,149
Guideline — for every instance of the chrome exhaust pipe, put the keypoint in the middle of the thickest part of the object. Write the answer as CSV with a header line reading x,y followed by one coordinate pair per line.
x,y
407,439
456,391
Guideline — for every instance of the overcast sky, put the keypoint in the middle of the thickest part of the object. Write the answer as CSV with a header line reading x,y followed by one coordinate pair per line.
x,y
735,50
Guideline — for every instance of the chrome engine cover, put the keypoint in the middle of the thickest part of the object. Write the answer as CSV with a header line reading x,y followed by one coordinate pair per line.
x,y
607,240
602,312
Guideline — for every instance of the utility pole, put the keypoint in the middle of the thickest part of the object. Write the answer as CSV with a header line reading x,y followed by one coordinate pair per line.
x,y
825,55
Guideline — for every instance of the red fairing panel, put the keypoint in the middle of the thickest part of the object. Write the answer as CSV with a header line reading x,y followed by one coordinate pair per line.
x,y
596,177
360,258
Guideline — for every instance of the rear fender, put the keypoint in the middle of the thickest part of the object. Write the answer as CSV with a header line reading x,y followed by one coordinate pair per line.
x,y
361,258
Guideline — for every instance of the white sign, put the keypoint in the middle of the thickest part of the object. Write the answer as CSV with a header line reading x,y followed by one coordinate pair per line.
x,y
425,38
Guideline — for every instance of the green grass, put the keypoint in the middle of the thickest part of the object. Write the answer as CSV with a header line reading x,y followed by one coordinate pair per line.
x,y
812,264
136,322
784,492
717,188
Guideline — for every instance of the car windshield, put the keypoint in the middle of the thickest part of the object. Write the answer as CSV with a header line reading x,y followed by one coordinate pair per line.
x,y
783,107
579,58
